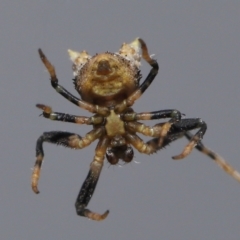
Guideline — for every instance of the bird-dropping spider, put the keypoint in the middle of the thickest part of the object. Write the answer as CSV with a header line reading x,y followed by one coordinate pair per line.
x,y
109,84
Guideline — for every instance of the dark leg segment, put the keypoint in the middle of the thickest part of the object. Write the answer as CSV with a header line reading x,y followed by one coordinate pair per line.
x,y
218,159
187,125
165,133
66,139
90,183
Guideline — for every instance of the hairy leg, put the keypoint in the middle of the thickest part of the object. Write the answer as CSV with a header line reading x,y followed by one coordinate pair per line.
x,y
152,145
173,114
90,183
66,139
217,158
187,125
164,132
64,117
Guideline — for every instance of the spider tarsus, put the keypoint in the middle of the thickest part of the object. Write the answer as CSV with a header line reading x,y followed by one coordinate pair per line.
x,y
146,55
95,216
41,54
35,183
48,65
36,173
186,151
41,106
45,108
35,189
215,157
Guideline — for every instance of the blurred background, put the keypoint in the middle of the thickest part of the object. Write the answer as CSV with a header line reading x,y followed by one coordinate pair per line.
x,y
197,46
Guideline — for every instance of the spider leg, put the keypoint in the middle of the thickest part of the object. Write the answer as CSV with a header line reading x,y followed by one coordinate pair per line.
x,y
66,139
90,183
141,89
164,134
61,90
152,145
159,130
217,158
64,117
187,125
174,114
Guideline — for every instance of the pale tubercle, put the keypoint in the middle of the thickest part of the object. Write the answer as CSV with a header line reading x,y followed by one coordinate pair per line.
x,y
78,59
131,52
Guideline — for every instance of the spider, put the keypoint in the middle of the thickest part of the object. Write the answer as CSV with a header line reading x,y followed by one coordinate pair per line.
x,y
109,84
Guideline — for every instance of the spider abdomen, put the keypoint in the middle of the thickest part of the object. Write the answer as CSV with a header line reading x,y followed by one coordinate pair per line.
x,y
107,79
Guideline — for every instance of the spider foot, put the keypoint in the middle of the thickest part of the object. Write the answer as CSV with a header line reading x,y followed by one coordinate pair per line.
x,y
35,189
94,216
46,109
188,149
48,65
145,53
35,177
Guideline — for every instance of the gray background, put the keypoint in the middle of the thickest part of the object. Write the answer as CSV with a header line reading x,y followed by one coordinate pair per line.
x,y
197,46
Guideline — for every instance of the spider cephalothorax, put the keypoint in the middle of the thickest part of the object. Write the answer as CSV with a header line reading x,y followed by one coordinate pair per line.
x,y
109,84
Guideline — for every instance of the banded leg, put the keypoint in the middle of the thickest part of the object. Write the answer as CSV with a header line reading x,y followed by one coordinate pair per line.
x,y
159,130
64,117
187,125
137,94
217,158
173,114
61,90
90,183
175,131
66,139
151,146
